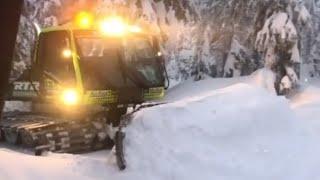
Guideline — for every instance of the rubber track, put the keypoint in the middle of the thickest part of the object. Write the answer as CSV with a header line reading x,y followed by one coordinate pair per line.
x,y
45,133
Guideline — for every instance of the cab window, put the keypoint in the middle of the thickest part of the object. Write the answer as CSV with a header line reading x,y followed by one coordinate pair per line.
x,y
55,56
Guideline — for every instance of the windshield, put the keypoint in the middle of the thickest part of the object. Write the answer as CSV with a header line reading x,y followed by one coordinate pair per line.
x,y
90,46
112,62
96,46
134,48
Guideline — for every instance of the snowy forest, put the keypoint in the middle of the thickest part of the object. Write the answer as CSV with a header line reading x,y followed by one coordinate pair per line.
x,y
217,38
243,101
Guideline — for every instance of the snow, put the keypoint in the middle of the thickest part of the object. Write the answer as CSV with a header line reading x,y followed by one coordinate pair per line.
x,y
279,24
17,106
20,166
197,137
304,15
285,83
226,129
232,58
264,78
278,43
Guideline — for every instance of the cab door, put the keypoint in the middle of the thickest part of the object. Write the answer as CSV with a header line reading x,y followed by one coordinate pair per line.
x,y
55,62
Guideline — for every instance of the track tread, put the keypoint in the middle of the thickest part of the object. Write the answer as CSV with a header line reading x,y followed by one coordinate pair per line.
x,y
47,133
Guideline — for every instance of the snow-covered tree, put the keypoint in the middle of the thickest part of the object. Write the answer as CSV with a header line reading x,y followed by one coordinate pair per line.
x,y
278,41
238,62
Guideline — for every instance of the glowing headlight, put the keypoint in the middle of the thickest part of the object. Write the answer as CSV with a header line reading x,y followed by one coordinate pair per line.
x,y
67,53
70,97
113,26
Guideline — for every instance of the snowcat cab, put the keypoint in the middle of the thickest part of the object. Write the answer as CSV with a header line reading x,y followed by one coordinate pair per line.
x,y
81,79
84,67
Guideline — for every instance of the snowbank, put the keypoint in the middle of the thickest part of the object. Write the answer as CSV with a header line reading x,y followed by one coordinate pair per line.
x,y
240,132
264,78
194,88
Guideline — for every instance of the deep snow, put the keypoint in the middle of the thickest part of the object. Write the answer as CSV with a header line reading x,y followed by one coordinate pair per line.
x,y
226,129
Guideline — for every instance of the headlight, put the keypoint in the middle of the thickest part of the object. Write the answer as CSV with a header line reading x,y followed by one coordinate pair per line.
x,y
67,53
70,97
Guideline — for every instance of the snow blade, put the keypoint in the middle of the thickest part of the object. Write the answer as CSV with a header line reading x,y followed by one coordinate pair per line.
x,y
121,162
120,135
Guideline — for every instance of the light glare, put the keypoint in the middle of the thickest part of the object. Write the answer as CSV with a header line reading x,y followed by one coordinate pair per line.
x,y
70,97
135,29
84,20
113,26
67,53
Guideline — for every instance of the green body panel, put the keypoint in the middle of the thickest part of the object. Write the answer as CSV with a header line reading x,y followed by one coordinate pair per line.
x,y
100,97
153,93
111,97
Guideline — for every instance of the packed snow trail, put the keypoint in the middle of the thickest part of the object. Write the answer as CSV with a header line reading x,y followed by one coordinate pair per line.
x,y
213,129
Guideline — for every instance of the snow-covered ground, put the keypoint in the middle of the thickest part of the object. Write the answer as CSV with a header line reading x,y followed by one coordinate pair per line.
x,y
225,129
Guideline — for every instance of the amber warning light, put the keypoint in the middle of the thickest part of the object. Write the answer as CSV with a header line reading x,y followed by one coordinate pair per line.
x,y
84,20
110,26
